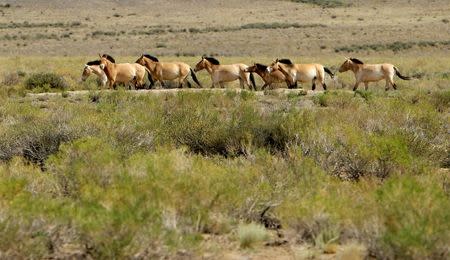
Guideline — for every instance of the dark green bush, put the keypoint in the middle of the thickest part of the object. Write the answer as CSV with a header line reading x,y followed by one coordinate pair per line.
x,y
45,80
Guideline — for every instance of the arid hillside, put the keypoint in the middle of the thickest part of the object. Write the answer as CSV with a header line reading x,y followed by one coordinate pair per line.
x,y
223,28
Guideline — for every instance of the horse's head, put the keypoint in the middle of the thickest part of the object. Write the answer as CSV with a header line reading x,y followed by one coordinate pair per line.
x,y
251,68
104,62
273,66
141,60
109,57
346,65
201,64
86,72
350,64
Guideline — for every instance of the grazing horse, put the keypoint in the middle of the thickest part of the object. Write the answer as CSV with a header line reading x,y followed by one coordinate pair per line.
x,y
371,72
226,73
269,78
294,73
168,70
123,72
94,67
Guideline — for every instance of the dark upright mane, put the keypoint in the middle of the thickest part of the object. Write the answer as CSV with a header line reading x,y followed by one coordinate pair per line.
x,y
153,58
260,66
94,62
212,60
109,57
285,61
355,60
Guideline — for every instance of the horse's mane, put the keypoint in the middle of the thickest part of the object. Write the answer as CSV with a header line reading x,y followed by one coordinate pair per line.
x,y
260,66
94,62
285,61
109,57
212,60
355,60
153,58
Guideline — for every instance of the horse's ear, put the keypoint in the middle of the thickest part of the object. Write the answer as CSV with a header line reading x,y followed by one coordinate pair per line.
x,y
100,55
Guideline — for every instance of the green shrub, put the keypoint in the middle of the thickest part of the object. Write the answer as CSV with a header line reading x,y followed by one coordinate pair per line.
x,y
415,228
252,233
45,81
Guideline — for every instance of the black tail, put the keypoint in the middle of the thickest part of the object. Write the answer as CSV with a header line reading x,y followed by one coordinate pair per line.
x,y
252,80
194,78
400,75
327,70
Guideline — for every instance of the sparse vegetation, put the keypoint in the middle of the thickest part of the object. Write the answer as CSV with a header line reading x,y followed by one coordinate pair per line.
x,y
395,46
97,168
25,24
322,3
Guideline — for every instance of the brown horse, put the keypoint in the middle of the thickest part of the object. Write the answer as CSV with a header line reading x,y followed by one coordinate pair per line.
x,y
371,73
123,72
226,73
269,78
314,73
94,67
168,70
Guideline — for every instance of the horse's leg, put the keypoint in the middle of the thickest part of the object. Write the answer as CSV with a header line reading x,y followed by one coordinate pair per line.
x,y
213,80
265,85
314,83
356,86
391,81
241,83
366,85
163,85
222,85
386,87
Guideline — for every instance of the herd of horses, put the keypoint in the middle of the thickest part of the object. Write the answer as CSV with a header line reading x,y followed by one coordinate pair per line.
x,y
279,71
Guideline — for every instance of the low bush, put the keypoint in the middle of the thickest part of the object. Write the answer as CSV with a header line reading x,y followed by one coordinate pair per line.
x,y
250,234
45,81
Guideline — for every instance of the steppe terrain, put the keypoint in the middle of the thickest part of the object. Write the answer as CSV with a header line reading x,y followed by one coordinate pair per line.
x,y
89,173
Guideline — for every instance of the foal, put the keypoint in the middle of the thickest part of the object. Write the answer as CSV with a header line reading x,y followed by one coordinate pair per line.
x,y
94,67
371,73
226,73
269,78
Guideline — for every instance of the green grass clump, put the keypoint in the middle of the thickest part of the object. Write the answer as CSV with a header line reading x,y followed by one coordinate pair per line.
x,y
250,234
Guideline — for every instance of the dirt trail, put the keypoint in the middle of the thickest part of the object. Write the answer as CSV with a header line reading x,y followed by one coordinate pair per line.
x,y
173,91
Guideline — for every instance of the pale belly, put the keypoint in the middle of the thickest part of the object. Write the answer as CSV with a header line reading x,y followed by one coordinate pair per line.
x,y
306,76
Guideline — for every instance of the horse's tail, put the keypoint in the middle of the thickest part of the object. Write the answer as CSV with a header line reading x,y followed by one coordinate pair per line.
x,y
400,75
194,78
328,71
149,76
252,80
